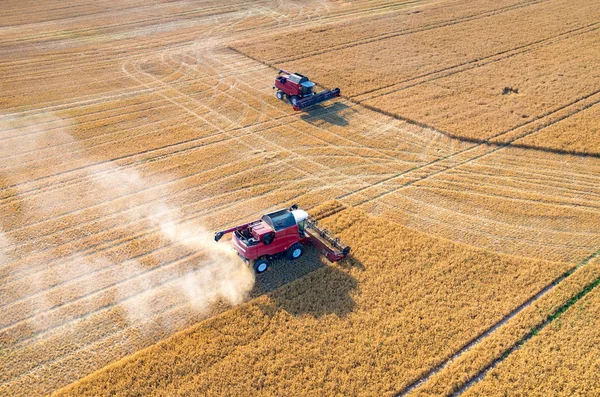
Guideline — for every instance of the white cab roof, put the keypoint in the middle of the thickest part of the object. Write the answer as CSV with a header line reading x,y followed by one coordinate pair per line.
x,y
299,215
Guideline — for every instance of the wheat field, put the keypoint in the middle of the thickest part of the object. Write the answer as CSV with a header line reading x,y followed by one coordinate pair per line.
x,y
461,164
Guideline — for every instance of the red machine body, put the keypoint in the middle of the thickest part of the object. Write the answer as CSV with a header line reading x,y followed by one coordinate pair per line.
x,y
298,90
282,232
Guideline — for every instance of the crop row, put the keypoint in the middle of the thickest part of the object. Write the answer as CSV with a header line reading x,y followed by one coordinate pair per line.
x,y
404,302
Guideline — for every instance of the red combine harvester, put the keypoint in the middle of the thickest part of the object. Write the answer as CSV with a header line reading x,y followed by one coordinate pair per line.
x,y
283,232
299,90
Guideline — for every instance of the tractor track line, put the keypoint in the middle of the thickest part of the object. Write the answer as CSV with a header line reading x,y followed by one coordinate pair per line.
x,y
6,328
148,151
161,266
488,142
488,220
458,189
467,180
470,177
534,178
404,32
130,133
107,245
78,180
476,63
549,319
148,23
94,99
115,110
76,15
527,178
411,387
109,100
147,232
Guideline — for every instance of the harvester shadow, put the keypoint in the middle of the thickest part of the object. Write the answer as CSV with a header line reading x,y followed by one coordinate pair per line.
x,y
309,286
327,114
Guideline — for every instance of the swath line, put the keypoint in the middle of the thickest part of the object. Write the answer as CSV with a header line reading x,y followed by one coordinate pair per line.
x,y
503,321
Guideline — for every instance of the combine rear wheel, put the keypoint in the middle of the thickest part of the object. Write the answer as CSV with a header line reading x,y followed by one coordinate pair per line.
x,y
279,95
261,265
295,251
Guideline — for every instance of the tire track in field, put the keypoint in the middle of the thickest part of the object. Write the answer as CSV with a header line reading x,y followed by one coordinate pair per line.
x,y
473,64
403,32
526,176
460,187
549,319
488,145
544,291
117,303
467,230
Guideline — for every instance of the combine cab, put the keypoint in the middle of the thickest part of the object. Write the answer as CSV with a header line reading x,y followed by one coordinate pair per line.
x,y
298,90
280,233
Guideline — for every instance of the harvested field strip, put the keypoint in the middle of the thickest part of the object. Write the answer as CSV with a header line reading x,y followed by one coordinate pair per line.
x,y
572,132
373,335
527,191
419,55
256,50
106,111
61,104
169,146
451,377
118,241
201,12
533,126
499,115
108,28
472,64
520,234
553,316
479,232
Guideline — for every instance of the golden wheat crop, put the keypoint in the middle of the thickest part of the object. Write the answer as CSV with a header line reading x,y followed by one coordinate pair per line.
x,y
458,372
561,360
369,326
129,133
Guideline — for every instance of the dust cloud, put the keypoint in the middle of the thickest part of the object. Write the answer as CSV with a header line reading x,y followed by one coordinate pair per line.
x,y
78,276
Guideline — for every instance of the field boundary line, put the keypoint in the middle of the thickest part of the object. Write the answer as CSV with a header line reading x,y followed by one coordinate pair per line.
x,y
475,63
419,29
549,319
494,146
423,379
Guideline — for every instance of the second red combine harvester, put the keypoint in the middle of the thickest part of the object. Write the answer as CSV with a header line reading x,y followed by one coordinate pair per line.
x,y
298,90
283,232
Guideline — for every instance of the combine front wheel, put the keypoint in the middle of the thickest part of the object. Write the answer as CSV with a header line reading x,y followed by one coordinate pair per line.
x,y
261,265
295,251
294,100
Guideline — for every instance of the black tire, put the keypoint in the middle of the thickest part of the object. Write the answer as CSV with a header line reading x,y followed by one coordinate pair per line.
x,y
261,265
268,238
295,251
294,100
279,95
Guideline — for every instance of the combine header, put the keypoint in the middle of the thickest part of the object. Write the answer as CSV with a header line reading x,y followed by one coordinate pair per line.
x,y
283,232
299,90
